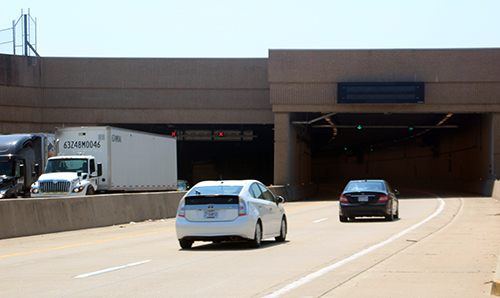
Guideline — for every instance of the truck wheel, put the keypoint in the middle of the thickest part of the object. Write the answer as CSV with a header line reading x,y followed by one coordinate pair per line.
x,y
90,191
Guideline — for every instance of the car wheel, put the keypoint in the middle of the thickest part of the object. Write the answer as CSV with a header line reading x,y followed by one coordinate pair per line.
x,y
396,215
256,241
342,218
390,217
186,244
283,230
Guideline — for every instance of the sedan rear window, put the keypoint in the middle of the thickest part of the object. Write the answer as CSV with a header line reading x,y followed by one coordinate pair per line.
x,y
215,190
365,186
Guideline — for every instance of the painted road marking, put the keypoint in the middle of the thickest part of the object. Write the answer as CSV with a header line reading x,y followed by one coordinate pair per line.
x,y
325,270
80,244
320,220
110,269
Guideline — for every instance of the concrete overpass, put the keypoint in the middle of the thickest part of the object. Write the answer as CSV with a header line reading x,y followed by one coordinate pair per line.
x,y
286,121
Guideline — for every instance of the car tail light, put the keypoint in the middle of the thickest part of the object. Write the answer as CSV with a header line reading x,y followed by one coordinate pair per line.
x,y
181,212
343,199
242,208
383,199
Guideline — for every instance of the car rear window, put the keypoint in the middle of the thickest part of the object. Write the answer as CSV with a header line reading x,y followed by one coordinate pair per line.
x,y
202,200
215,190
365,186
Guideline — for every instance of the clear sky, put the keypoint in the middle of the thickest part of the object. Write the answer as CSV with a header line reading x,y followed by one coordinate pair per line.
x,y
248,29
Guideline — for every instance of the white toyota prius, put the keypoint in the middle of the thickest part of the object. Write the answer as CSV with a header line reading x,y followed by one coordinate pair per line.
x,y
232,210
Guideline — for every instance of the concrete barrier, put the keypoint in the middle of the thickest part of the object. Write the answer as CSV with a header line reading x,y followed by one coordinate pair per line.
x,y
23,217
294,192
495,283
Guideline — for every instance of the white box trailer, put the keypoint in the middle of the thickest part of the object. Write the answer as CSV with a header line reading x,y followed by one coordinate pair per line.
x,y
109,159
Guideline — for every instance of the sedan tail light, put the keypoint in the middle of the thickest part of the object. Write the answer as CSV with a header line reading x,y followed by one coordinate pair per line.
x,y
181,212
383,199
242,208
343,199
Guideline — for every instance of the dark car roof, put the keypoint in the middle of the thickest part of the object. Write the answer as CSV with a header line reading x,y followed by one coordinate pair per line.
x,y
368,180
366,185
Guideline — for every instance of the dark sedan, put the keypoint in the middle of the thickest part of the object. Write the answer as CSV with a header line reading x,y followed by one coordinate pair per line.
x,y
368,198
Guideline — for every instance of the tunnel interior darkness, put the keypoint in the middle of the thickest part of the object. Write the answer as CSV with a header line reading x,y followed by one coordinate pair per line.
x,y
202,157
341,147
409,148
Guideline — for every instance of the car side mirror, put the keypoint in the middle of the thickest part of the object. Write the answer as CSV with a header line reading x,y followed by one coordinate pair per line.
x,y
280,199
396,192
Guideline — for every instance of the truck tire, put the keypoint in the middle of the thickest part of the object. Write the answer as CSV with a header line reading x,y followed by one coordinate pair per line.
x,y
90,191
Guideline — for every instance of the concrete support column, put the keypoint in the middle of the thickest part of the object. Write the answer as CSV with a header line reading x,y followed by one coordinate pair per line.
x,y
286,151
496,145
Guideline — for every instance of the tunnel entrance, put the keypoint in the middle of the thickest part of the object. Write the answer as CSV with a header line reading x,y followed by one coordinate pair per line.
x,y
219,151
407,148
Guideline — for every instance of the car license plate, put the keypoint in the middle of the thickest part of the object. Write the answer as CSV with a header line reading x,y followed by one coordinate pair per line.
x,y
363,199
211,214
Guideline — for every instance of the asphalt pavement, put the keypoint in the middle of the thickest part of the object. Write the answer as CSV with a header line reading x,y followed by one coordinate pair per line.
x,y
456,259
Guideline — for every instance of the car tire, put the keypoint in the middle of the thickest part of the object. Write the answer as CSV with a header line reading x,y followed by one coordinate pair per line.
x,y
186,244
390,216
343,218
257,240
283,230
397,213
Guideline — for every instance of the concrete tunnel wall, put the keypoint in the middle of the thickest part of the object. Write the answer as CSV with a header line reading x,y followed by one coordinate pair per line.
x,y
454,159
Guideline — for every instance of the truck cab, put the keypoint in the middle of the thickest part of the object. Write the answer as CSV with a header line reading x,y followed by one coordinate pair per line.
x,y
68,175
17,165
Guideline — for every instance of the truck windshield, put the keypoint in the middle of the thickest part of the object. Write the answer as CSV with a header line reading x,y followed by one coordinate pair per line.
x,y
67,165
6,167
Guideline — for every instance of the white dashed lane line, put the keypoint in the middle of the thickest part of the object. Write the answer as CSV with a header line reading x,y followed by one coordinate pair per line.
x,y
110,269
327,269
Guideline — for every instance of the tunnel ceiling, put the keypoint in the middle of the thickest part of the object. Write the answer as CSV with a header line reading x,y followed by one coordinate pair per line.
x,y
349,130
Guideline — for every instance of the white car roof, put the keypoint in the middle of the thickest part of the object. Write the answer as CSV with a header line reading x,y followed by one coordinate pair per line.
x,y
224,182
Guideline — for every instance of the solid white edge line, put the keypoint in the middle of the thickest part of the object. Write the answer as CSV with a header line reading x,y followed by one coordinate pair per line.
x,y
320,220
325,270
110,269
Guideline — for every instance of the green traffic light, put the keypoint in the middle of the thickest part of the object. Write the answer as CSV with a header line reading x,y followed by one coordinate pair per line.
x,y
410,128
359,127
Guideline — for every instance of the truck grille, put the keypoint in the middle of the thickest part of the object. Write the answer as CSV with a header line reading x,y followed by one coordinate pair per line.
x,y
59,186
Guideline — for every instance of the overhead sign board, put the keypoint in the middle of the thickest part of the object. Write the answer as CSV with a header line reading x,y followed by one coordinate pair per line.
x,y
387,92
213,135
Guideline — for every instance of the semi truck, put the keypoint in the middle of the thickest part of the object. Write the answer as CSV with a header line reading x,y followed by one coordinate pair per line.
x,y
108,159
22,160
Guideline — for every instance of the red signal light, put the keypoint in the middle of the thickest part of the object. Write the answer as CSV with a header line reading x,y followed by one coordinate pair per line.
x,y
221,134
173,134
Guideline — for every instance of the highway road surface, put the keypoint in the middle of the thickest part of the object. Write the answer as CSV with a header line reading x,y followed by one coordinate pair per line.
x,y
442,246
